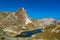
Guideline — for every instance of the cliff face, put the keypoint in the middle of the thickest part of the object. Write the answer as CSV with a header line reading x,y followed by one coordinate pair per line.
x,y
13,24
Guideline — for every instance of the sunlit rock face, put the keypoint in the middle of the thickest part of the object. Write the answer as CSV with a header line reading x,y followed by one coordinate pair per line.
x,y
22,16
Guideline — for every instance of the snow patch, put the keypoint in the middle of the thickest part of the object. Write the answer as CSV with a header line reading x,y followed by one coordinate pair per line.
x,y
27,21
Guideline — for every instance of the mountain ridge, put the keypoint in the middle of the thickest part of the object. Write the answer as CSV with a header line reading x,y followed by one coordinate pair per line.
x,y
15,23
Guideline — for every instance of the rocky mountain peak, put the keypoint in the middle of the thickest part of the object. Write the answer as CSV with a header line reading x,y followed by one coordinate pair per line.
x,y
22,9
22,16
20,12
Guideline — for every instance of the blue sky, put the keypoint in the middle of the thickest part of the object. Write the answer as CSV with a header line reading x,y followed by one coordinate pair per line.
x,y
36,9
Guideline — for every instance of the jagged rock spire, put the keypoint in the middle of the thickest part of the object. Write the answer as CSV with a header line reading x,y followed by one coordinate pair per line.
x,y
22,8
20,12
22,16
